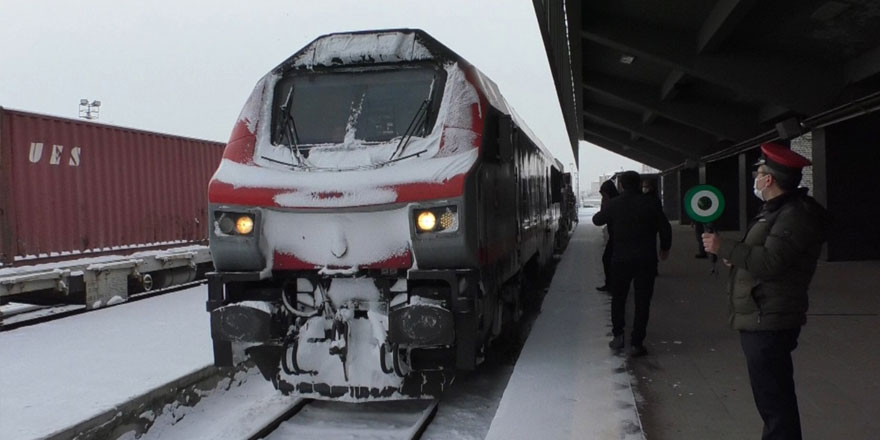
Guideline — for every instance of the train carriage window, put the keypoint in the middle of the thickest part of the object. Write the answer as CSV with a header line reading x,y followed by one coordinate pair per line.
x,y
373,106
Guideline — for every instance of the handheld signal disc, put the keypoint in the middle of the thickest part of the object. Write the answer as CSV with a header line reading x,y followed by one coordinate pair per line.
x,y
704,203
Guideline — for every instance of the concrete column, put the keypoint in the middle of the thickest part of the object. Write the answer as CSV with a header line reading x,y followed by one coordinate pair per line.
x,y
687,178
671,196
847,159
726,175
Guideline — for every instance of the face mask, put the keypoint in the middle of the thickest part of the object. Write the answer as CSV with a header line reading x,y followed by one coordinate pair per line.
x,y
759,193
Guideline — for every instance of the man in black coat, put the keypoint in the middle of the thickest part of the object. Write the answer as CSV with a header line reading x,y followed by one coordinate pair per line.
x,y
608,191
636,220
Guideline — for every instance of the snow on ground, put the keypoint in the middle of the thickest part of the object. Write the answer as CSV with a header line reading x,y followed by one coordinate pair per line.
x,y
58,373
235,410
85,260
567,383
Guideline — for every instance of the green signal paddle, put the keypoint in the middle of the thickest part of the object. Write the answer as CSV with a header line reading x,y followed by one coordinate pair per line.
x,y
704,204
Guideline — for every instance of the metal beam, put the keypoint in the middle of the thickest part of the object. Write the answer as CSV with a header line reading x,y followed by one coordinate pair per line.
x,y
669,89
763,78
553,21
718,120
626,151
645,145
723,19
772,112
864,66
688,142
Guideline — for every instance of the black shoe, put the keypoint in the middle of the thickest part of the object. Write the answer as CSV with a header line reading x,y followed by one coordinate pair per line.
x,y
602,288
703,255
616,343
637,351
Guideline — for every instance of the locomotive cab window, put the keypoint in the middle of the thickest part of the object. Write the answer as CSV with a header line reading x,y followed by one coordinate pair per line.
x,y
370,106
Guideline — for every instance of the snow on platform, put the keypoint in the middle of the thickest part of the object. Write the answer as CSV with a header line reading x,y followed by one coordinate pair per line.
x,y
567,384
56,374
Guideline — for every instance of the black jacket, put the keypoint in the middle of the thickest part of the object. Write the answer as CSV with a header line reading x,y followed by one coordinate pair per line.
x,y
636,220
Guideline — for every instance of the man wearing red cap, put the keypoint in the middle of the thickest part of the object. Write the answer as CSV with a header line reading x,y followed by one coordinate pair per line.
x,y
770,271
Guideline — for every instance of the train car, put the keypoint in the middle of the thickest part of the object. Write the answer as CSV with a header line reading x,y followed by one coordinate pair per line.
x,y
376,211
73,188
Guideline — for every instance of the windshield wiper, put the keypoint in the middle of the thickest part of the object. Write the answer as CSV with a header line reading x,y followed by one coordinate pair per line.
x,y
289,128
417,120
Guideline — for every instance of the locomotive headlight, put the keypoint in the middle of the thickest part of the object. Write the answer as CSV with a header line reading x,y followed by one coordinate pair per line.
x,y
426,221
442,219
233,223
226,224
448,220
244,225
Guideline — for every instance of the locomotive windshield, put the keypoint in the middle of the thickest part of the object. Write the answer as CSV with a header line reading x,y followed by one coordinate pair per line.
x,y
370,106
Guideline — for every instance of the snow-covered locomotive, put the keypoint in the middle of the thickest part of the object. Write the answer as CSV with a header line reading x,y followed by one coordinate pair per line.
x,y
375,212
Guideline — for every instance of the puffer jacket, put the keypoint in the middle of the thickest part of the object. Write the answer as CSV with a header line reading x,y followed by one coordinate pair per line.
x,y
773,265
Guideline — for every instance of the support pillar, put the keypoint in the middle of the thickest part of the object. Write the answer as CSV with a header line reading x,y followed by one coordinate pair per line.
x,y
727,176
671,196
846,160
687,178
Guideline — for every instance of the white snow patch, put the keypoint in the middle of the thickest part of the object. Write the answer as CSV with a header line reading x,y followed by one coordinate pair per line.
x,y
343,290
78,367
253,107
369,237
362,361
263,306
356,48
368,196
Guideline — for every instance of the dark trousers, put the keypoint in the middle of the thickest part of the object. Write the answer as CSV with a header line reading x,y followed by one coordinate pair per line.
x,y
641,274
768,355
606,262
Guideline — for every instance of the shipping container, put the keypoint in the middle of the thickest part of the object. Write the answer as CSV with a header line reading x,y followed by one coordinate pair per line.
x,y
73,188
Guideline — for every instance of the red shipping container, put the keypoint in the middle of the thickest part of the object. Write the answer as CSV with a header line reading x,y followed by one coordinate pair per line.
x,y
71,188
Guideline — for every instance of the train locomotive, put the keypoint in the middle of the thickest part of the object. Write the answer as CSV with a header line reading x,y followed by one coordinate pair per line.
x,y
373,219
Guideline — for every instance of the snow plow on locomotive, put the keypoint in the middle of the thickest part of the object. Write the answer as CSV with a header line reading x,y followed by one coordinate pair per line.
x,y
376,209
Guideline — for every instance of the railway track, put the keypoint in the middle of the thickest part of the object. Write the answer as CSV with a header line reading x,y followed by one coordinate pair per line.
x,y
236,405
315,419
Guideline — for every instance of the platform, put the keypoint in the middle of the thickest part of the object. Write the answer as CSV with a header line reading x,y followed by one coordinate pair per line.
x,y
693,384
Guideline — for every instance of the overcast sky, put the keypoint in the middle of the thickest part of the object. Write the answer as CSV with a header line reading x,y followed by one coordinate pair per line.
x,y
186,67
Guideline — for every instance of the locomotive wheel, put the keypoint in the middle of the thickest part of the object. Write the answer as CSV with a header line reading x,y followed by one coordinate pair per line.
x,y
382,359
397,362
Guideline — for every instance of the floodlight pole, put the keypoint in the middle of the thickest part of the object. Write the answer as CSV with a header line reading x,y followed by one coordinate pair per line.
x,y
89,110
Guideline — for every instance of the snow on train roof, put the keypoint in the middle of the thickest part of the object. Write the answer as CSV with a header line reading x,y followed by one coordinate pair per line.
x,y
396,45
362,183
355,48
359,49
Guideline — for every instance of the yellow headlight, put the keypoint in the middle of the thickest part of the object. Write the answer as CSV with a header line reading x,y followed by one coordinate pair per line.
x,y
427,221
244,225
